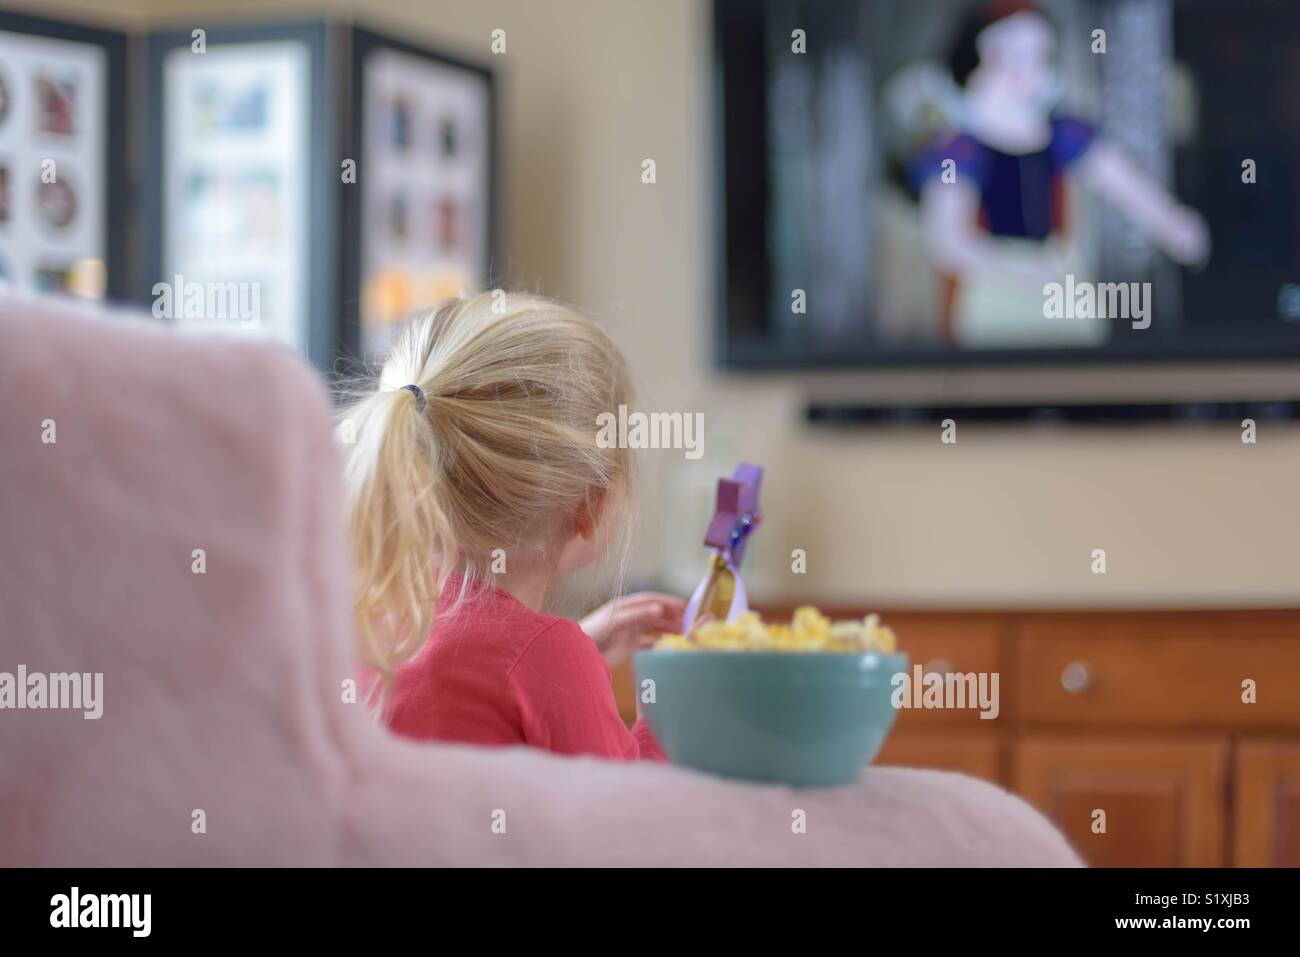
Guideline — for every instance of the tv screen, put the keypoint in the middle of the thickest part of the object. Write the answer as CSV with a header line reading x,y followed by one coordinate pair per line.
x,y
937,182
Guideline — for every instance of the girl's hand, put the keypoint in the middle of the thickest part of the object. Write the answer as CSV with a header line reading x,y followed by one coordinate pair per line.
x,y
621,626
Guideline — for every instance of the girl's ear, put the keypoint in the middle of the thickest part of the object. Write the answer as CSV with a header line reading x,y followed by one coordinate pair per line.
x,y
587,520
582,522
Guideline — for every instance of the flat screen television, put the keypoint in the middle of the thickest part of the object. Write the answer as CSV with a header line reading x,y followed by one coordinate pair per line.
x,y
949,183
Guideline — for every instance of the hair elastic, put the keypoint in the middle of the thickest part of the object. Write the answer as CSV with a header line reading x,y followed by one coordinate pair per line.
x,y
416,391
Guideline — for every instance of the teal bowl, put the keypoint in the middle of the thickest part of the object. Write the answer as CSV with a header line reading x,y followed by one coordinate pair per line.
x,y
804,719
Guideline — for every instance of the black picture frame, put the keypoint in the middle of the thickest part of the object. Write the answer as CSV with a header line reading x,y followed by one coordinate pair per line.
x,y
118,201
323,203
364,42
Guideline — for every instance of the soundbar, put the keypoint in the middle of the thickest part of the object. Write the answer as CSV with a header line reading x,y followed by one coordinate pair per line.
x,y
1129,413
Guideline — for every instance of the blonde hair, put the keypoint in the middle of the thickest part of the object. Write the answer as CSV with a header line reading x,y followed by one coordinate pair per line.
x,y
500,453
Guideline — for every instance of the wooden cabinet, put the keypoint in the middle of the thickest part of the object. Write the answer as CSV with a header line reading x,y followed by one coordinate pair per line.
x,y
1266,804
1146,803
979,755
625,692
950,740
1143,715
938,644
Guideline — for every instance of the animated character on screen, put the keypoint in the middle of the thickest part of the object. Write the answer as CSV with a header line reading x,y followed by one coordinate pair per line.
x,y
993,189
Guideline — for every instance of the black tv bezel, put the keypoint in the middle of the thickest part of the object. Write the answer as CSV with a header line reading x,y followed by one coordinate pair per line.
x,y
117,183
364,42
757,355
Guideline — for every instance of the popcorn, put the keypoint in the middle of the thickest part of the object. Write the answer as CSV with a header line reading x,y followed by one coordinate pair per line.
x,y
809,630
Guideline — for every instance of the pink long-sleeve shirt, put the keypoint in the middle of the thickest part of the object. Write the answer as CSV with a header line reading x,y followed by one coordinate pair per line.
x,y
495,672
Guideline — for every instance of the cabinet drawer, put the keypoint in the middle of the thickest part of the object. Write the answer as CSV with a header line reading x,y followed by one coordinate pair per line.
x,y
1155,673
948,646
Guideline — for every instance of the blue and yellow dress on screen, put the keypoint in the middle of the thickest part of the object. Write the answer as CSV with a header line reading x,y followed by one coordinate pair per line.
x,y
1025,207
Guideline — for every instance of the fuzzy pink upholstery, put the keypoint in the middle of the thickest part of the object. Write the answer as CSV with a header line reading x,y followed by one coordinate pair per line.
x,y
222,690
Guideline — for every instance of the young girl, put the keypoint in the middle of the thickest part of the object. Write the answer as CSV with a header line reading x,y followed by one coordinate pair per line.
x,y
474,482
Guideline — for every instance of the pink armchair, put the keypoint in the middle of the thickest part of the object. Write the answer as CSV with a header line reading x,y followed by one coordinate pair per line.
x,y
170,518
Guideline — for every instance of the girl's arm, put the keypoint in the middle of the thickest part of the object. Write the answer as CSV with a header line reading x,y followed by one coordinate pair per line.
x,y
562,687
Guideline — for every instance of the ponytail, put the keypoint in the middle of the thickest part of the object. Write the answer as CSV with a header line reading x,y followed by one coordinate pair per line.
x,y
398,528
479,437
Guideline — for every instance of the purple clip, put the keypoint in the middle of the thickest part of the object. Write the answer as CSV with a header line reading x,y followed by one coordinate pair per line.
x,y
735,516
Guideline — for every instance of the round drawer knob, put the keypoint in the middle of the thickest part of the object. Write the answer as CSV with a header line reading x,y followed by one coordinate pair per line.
x,y
1076,678
940,666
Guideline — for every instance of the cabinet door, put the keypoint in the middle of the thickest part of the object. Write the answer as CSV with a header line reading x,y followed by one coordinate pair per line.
x,y
978,755
1266,806
1163,801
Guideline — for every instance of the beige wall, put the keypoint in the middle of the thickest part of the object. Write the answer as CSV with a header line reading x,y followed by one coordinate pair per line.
x,y
1004,517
